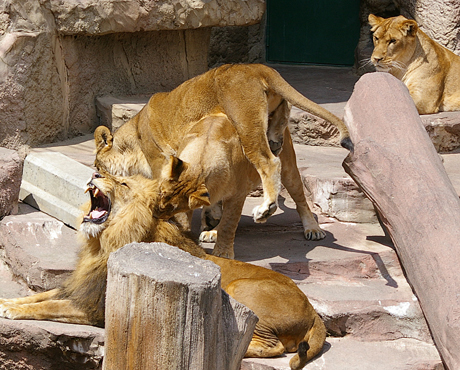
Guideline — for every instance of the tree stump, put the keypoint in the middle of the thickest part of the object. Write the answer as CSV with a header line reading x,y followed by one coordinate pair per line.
x,y
165,310
397,167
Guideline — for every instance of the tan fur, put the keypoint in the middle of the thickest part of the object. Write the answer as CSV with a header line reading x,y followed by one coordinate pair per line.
x,y
287,320
213,155
81,299
246,94
430,71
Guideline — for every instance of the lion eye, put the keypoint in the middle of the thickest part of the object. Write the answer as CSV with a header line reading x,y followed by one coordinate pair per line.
x,y
392,41
124,184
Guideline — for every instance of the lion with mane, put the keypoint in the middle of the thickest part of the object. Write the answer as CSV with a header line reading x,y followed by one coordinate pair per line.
x,y
124,210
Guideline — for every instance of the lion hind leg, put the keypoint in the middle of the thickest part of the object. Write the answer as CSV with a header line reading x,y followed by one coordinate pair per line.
x,y
265,347
54,310
251,125
291,179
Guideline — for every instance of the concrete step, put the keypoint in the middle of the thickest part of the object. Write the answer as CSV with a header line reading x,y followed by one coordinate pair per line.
x,y
55,184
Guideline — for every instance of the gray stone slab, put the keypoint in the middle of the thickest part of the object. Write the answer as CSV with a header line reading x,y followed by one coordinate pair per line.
x,y
55,184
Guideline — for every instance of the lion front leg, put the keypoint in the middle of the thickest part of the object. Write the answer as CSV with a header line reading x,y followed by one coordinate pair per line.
x,y
34,298
53,310
231,214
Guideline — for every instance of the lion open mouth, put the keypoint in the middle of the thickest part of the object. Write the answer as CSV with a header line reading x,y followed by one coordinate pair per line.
x,y
100,205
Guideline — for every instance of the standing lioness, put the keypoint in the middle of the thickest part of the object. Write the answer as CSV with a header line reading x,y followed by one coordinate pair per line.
x,y
429,70
246,94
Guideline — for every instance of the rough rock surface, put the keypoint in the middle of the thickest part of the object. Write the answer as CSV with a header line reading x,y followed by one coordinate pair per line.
x,y
10,180
438,18
40,249
45,345
443,129
57,56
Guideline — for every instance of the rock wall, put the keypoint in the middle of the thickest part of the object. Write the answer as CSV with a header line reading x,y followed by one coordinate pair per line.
x,y
440,19
233,44
56,57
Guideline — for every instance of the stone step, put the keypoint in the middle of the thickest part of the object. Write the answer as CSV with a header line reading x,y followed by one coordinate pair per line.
x,y
43,345
55,184
350,354
333,190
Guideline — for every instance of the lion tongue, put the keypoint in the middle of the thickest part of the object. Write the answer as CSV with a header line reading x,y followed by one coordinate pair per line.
x,y
97,214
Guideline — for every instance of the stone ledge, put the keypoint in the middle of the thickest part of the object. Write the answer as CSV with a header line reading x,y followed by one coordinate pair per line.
x,y
443,129
40,345
99,17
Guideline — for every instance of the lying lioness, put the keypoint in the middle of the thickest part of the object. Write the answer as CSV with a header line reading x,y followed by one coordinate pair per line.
x,y
121,212
246,94
212,154
430,71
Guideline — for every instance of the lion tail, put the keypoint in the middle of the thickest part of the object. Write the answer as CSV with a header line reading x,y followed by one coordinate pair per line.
x,y
311,346
283,88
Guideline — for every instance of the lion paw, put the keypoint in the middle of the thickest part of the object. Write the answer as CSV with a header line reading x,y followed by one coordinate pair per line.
x,y
208,236
314,234
8,311
224,252
262,213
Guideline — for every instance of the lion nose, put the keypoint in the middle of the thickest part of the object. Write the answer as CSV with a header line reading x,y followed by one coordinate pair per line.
x,y
377,59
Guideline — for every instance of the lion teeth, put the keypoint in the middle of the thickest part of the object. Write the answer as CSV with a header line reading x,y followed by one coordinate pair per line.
x,y
96,192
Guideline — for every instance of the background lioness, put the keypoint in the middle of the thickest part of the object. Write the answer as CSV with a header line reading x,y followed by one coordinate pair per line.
x,y
122,211
430,71
246,94
213,155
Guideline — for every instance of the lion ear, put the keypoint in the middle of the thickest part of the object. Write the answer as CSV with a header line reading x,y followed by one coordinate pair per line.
x,y
199,198
409,27
374,21
103,138
174,168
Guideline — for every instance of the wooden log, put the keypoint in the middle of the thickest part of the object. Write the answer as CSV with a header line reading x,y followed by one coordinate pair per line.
x,y
165,310
397,167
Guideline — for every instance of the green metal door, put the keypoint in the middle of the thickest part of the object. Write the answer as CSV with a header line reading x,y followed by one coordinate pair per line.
x,y
314,32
